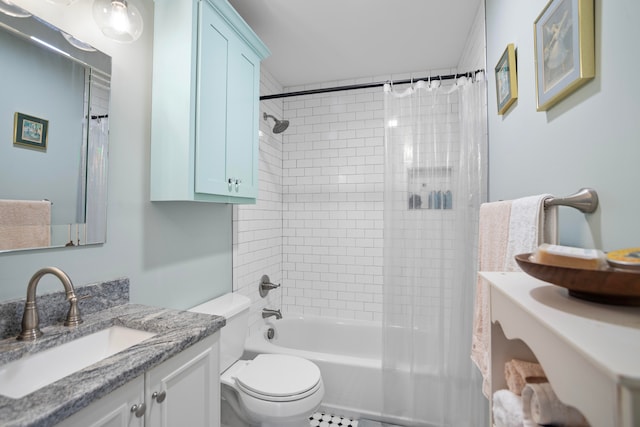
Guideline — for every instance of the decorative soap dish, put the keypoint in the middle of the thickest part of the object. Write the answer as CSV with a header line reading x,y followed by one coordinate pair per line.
x,y
607,285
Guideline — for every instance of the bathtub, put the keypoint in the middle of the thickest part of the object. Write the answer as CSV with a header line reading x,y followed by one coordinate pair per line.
x,y
348,353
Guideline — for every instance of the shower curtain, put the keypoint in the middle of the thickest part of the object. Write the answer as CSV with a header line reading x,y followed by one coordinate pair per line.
x,y
96,217
435,175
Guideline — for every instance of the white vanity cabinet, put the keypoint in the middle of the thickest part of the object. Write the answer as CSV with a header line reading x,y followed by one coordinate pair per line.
x,y
589,351
205,103
112,410
184,390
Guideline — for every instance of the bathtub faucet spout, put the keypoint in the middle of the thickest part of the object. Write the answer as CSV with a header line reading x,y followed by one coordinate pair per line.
x,y
267,312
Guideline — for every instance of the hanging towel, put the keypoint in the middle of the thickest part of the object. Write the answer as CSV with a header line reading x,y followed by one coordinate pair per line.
x,y
507,409
25,224
530,225
519,372
506,228
541,405
492,246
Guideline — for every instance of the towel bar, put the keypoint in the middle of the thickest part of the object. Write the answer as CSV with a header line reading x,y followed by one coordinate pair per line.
x,y
585,200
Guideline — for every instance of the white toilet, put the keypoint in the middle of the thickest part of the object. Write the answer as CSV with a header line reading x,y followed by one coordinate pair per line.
x,y
272,390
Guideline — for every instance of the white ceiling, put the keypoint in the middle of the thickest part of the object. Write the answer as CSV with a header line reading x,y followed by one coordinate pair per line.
x,y
314,41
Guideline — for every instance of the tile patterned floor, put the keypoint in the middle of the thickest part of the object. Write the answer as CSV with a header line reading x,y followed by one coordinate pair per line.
x,y
327,420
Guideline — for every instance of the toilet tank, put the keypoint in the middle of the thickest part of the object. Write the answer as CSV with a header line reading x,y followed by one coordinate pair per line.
x,y
235,309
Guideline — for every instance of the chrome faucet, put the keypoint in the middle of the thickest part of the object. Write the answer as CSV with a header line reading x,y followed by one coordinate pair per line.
x,y
30,320
267,312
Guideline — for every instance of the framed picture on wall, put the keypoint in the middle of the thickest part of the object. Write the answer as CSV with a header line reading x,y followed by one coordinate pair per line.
x,y
30,132
564,49
506,79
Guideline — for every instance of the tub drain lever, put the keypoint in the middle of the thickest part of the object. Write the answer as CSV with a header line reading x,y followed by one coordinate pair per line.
x,y
266,285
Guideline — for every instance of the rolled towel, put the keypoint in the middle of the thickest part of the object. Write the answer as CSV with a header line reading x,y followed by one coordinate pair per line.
x,y
507,409
541,405
517,371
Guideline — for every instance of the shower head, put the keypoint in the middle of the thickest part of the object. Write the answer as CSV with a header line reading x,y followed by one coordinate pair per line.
x,y
280,126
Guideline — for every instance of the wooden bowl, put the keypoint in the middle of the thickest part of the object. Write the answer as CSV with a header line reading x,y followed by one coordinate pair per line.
x,y
608,285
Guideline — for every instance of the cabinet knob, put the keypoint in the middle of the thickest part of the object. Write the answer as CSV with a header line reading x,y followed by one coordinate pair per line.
x,y
159,397
230,182
138,410
238,182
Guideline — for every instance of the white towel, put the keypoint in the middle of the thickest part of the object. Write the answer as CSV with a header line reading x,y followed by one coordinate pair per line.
x,y
25,224
541,406
530,225
507,409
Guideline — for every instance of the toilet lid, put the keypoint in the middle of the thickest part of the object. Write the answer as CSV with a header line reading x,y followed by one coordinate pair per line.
x,y
279,377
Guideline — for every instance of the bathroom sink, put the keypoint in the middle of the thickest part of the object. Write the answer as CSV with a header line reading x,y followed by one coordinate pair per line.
x,y
34,371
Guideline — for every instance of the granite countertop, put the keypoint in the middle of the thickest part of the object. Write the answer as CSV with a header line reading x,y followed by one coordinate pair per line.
x,y
175,331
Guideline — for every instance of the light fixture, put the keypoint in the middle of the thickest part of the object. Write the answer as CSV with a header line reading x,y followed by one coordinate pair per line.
x,y
118,19
8,8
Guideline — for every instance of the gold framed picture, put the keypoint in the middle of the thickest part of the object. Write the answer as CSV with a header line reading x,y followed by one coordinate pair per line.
x,y
30,132
564,49
506,79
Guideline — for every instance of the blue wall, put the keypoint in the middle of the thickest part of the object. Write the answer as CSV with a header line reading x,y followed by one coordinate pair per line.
x,y
591,139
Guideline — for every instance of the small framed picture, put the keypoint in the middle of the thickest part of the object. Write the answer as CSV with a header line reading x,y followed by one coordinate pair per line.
x,y
564,49
506,79
30,132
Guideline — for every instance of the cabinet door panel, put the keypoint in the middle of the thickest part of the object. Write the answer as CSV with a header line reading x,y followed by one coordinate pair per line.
x,y
244,70
191,386
211,122
113,410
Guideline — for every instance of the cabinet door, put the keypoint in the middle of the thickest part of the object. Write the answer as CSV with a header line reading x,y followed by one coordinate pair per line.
x,y
242,119
227,112
113,410
211,122
187,388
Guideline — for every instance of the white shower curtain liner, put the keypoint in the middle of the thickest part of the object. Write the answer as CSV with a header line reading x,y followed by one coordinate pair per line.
x,y
435,175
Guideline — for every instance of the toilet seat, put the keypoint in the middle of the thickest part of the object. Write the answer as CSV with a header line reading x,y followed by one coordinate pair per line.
x,y
279,378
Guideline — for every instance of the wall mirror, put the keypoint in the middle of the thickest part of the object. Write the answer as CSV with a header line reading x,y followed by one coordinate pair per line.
x,y
54,121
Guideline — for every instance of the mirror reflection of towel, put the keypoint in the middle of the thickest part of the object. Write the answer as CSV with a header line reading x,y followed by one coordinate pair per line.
x,y
25,224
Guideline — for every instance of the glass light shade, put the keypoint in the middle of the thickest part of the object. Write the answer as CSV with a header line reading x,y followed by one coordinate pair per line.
x,y
118,19
8,8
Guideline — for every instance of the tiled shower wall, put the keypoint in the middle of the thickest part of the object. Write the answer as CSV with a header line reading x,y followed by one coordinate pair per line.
x,y
332,202
333,174
257,229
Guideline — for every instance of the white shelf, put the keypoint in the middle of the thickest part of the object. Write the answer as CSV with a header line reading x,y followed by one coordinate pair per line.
x,y
590,352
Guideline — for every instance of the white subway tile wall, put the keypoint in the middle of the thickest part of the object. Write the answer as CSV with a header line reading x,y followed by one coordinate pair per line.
x,y
333,157
257,229
333,175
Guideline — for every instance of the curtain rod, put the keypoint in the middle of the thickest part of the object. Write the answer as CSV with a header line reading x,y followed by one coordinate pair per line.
x,y
366,85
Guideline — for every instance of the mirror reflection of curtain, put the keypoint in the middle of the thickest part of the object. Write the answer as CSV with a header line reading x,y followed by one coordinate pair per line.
x,y
97,180
435,174
97,158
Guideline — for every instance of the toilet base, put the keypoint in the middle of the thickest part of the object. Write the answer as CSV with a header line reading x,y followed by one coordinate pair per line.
x,y
229,417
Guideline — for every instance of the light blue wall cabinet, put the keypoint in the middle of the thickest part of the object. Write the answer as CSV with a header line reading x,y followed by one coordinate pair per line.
x,y
206,84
